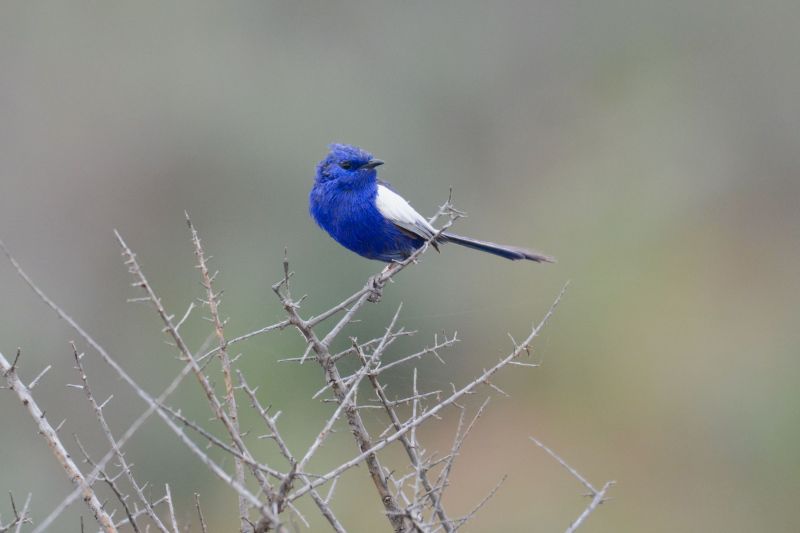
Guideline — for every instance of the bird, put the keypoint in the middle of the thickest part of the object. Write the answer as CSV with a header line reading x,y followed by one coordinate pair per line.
x,y
367,216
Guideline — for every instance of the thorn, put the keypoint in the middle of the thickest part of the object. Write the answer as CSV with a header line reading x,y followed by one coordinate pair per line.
x,y
102,405
14,364
39,377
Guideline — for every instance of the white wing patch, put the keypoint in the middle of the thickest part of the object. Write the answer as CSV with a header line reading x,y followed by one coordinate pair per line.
x,y
395,208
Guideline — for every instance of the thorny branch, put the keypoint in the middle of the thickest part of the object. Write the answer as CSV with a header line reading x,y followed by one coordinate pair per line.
x,y
267,509
153,406
112,484
20,518
598,496
213,301
121,461
441,405
411,494
9,372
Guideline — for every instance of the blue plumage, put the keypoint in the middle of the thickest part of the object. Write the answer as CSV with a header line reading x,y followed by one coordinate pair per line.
x,y
367,217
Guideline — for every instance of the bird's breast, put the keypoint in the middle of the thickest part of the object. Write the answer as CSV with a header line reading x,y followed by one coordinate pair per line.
x,y
341,209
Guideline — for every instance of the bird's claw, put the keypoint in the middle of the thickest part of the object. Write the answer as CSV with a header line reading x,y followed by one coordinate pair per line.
x,y
375,290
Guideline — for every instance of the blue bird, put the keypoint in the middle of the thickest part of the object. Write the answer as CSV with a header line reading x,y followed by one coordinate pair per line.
x,y
364,214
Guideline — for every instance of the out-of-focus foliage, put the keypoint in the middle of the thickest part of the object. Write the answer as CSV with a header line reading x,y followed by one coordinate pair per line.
x,y
652,147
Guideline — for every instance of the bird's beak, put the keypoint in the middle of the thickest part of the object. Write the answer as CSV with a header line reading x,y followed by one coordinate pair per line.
x,y
373,163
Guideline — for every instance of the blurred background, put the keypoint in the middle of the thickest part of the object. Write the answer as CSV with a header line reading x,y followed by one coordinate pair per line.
x,y
652,147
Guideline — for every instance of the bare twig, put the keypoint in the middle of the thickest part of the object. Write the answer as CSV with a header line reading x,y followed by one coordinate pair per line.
x,y
482,379
563,463
346,403
269,513
598,496
200,513
123,463
286,485
430,350
332,376
153,406
54,442
408,444
444,476
111,482
461,521
41,374
411,497
220,444
19,518
213,301
23,518
173,521
141,512
132,429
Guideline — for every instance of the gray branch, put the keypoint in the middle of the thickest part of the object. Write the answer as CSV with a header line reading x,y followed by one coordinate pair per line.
x,y
61,454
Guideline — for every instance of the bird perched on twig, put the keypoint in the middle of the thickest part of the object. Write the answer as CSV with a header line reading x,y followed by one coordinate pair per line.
x,y
366,216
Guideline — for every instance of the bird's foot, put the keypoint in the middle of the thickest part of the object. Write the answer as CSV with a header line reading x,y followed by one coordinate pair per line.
x,y
376,289
378,281
376,284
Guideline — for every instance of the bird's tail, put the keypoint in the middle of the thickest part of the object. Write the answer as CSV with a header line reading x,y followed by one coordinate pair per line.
x,y
509,252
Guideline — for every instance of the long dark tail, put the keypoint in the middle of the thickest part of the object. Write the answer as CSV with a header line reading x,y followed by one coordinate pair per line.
x,y
509,252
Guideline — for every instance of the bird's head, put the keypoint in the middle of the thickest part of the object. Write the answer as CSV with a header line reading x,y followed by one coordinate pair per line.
x,y
347,164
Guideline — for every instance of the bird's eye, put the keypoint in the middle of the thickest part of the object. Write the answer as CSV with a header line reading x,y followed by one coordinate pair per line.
x,y
347,165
